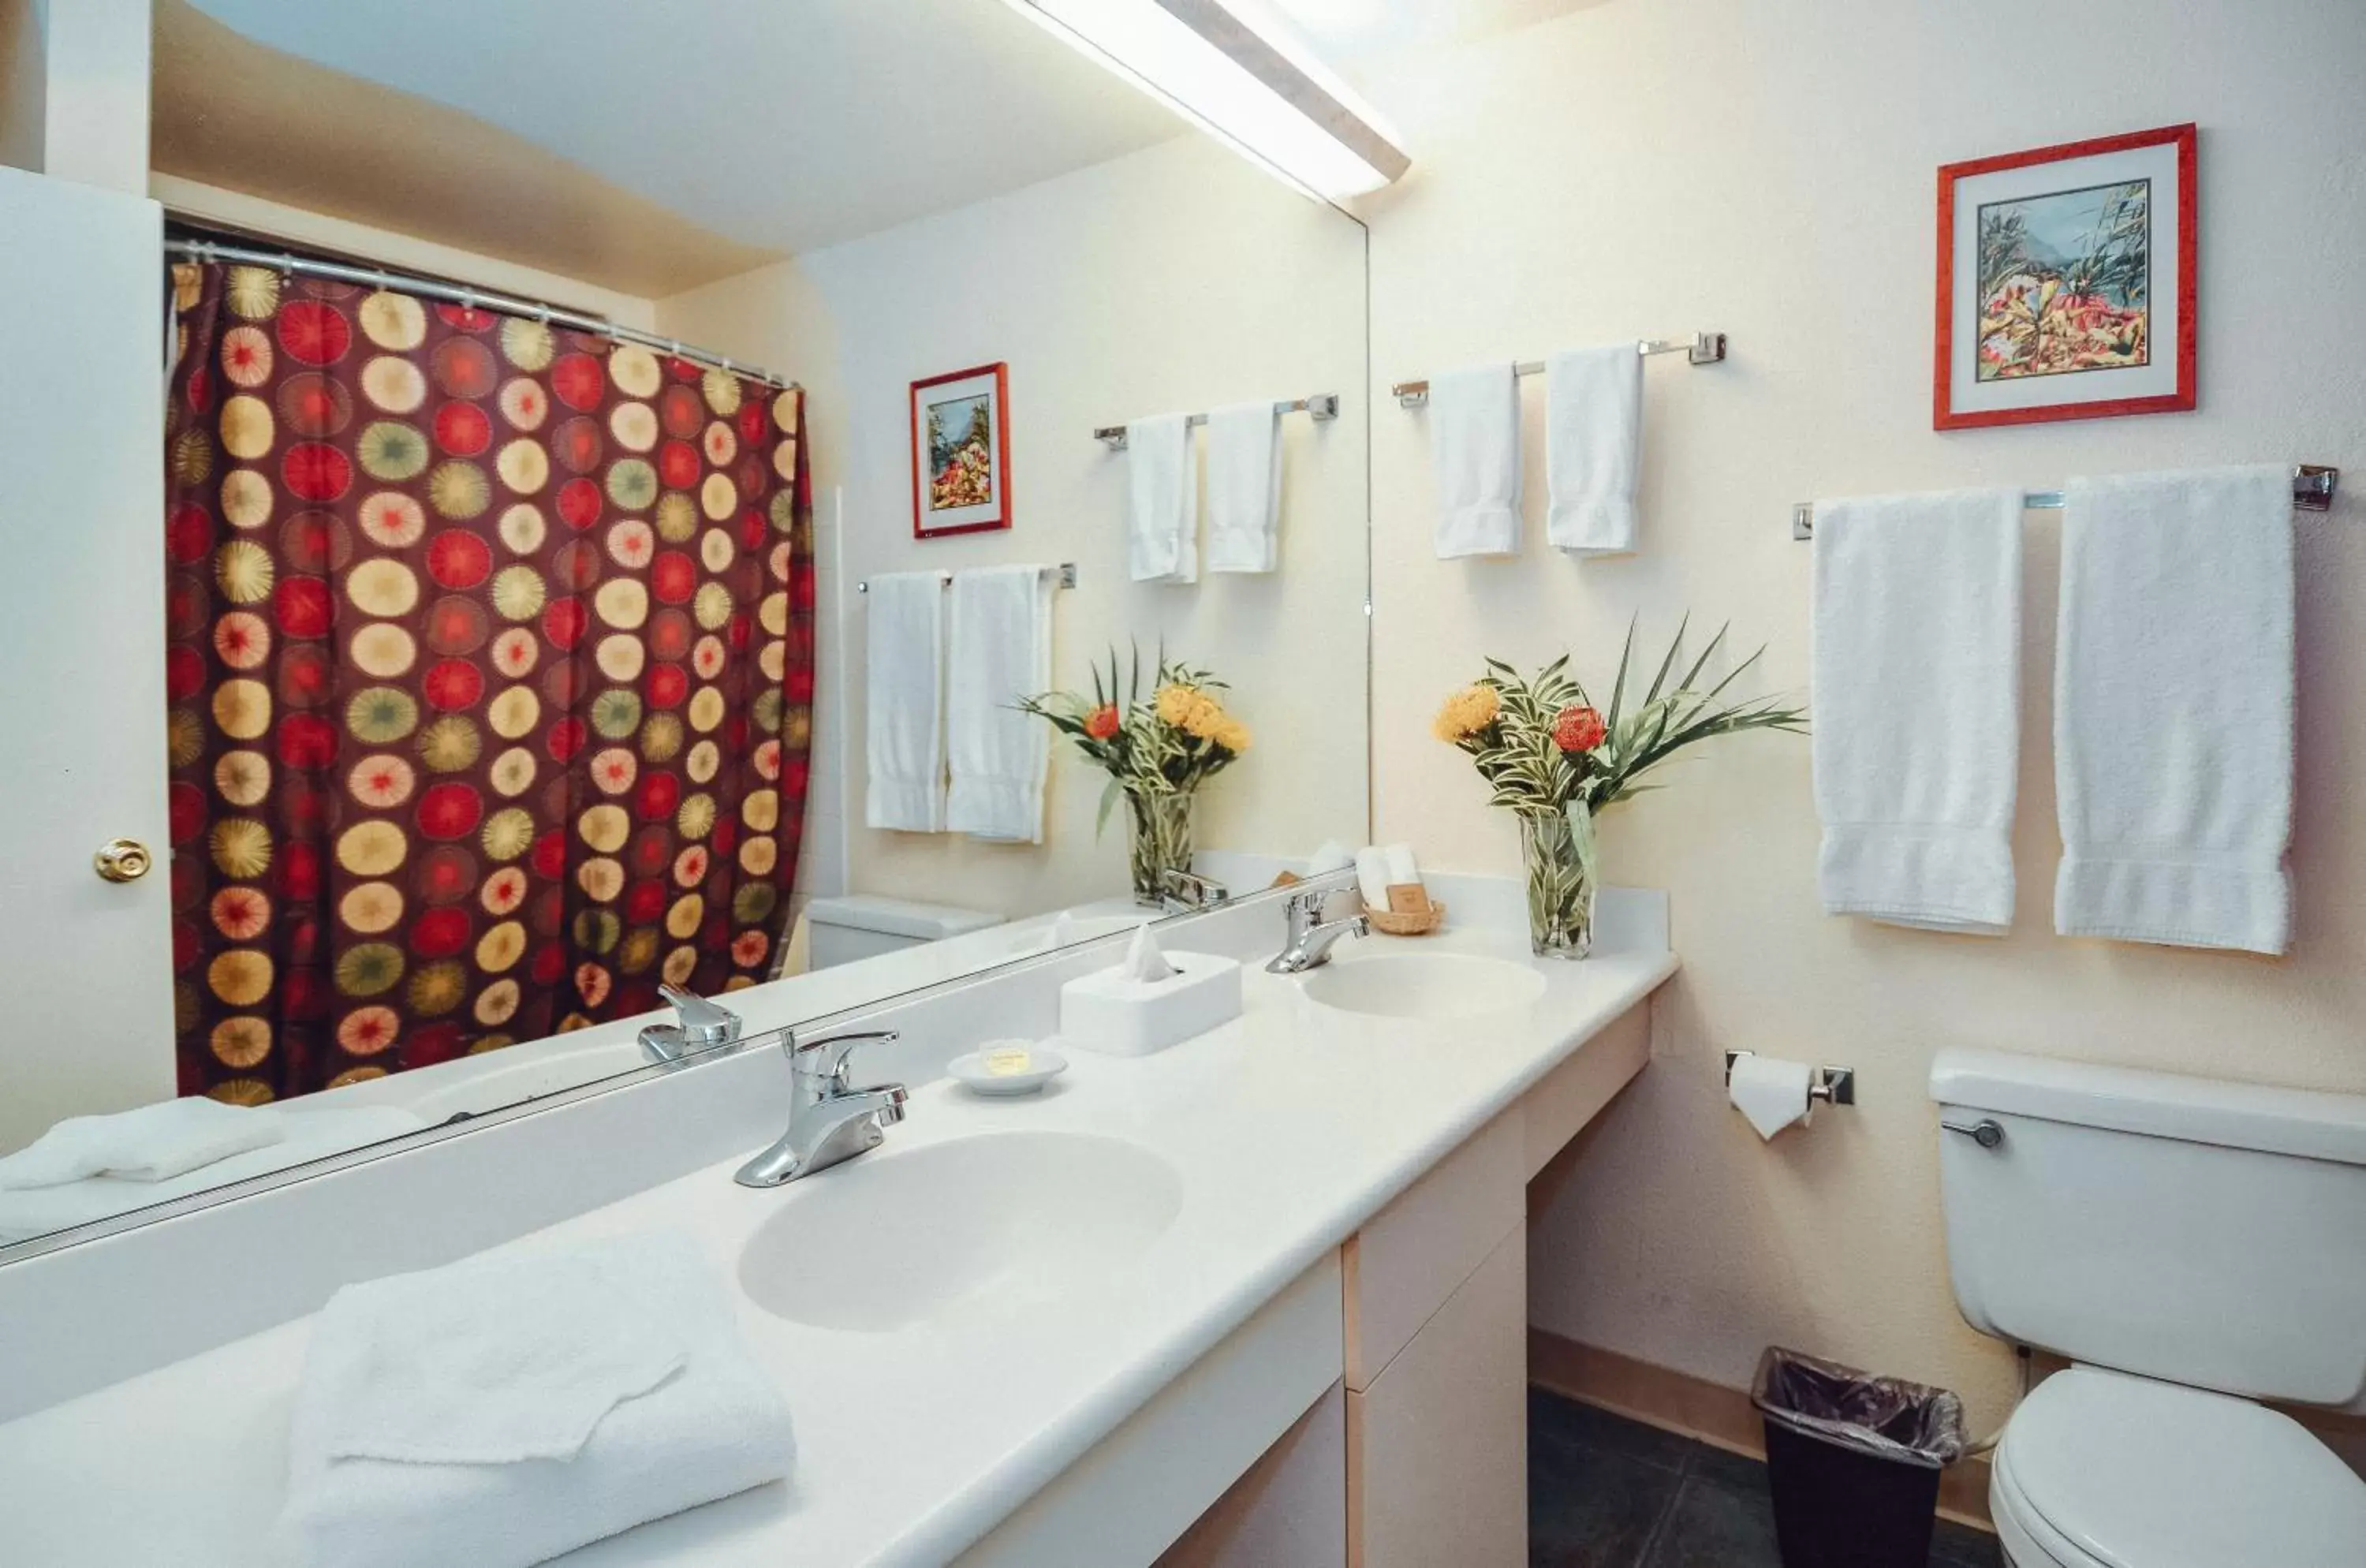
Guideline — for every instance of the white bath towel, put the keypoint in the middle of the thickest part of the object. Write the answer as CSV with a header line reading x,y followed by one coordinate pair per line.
x,y
1916,660
148,1144
1593,445
1001,651
537,1402
305,1136
1244,487
906,745
1474,452
1163,493
2173,709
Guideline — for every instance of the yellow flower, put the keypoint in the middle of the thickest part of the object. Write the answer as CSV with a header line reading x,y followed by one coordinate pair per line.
x,y
1205,716
1174,702
1233,736
1466,713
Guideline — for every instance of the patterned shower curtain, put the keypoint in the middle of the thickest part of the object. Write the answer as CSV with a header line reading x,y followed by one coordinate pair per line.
x,y
491,667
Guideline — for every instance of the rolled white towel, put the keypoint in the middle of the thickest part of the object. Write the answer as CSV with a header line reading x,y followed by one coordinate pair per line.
x,y
505,1410
1372,875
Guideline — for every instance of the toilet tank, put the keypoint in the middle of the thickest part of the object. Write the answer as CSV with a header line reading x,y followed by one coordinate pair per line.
x,y
2190,1229
865,925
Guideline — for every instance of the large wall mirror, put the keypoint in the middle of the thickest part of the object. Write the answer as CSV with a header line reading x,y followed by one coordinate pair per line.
x,y
777,509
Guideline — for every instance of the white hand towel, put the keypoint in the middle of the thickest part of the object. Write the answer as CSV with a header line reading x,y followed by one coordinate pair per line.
x,y
1594,442
714,1426
304,1134
906,747
1372,875
1474,452
1917,659
1402,869
2173,709
1163,491
1244,487
1001,651
149,1144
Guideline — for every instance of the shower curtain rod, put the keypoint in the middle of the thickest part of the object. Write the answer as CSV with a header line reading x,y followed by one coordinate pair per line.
x,y
461,294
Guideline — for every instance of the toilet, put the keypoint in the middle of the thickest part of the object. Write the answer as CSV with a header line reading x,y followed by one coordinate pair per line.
x,y
2193,1246
865,925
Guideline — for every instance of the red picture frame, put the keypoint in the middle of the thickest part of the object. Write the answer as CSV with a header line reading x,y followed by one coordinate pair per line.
x,y
961,475
1962,396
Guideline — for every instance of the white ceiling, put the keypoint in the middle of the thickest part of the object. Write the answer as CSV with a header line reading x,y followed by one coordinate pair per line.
x,y
781,124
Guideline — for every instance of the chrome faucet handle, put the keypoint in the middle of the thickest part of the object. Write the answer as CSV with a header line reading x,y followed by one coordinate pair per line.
x,y
826,1060
703,1021
1180,890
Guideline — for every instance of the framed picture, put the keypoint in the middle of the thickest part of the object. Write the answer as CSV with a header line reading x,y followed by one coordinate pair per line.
x,y
961,452
2066,282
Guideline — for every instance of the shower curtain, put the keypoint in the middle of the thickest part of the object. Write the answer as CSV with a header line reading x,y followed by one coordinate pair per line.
x,y
491,667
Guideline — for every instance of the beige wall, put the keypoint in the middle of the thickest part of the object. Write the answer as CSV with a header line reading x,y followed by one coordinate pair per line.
x,y
1172,278
1767,170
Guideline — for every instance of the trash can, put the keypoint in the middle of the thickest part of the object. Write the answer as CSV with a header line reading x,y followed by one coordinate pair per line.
x,y
1853,1460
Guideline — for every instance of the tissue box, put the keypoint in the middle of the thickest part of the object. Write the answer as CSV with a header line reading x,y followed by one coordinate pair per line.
x,y
1107,1012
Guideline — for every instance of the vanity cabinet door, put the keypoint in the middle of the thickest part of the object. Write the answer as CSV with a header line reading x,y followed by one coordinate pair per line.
x,y
1437,1444
86,963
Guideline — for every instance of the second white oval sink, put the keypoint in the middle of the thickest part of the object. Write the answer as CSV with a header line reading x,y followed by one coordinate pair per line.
x,y
1424,985
896,1238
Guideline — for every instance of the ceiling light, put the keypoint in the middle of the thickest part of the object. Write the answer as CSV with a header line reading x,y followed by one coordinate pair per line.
x,y
1238,70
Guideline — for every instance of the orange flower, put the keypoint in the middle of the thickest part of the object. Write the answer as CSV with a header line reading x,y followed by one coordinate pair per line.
x,y
1578,729
1101,723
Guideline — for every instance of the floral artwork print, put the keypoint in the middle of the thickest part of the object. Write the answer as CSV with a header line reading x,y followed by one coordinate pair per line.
x,y
489,672
961,452
2065,282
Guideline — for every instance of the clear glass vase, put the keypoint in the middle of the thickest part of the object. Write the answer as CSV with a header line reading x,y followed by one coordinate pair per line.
x,y
1559,849
1162,840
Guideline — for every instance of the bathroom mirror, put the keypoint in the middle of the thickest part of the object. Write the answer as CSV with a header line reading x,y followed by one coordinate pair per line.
x,y
557,426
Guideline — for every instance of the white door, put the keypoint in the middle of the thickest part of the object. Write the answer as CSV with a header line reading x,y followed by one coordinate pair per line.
x,y
85,973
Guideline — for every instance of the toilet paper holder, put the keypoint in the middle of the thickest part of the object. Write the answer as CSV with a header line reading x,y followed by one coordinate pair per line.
x,y
1833,1086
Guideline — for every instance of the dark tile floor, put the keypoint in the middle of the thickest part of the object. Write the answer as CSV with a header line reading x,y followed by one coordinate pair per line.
x,y
1608,1493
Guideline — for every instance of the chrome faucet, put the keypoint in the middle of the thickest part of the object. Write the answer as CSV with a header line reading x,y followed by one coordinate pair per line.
x,y
1310,936
704,1025
1180,892
829,1120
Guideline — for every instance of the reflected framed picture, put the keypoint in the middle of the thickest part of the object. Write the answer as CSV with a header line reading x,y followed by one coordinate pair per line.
x,y
2066,282
961,452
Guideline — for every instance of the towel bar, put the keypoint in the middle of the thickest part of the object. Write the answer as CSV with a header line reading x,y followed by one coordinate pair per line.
x,y
1316,405
1066,579
2312,488
1701,348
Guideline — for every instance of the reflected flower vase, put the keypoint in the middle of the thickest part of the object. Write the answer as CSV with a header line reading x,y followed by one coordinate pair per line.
x,y
1162,840
1558,847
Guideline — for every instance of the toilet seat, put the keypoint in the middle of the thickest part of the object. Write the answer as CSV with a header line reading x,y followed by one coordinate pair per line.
x,y
2105,1470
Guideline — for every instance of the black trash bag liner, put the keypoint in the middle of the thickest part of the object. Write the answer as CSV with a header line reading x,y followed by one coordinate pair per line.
x,y
1889,1418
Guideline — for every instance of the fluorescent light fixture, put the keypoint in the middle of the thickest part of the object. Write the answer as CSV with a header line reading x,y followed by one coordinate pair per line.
x,y
1239,71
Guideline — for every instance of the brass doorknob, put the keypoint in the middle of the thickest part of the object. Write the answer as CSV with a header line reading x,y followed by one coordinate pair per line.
x,y
123,860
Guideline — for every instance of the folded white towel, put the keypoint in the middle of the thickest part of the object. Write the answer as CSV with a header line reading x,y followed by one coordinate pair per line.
x,y
1244,487
713,1423
1594,442
906,747
1917,659
1474,452
304,1135
2173,709
1163,491
1001,651
1372,875
1401,869
148,1144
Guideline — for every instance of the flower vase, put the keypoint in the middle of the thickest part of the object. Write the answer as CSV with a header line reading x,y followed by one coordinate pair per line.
x,y
1559,849
1162,840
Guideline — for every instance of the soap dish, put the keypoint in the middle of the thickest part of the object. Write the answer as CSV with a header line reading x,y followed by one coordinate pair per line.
x,y
970,1070
1410,913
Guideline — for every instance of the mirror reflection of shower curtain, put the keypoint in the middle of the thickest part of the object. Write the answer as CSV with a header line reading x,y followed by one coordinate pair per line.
x,y
490,670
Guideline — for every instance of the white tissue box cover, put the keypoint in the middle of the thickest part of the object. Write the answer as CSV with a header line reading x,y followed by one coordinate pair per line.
x,y
1105,1011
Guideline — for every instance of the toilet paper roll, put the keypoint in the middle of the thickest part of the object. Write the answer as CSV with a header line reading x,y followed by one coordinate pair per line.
x,y
1772,1092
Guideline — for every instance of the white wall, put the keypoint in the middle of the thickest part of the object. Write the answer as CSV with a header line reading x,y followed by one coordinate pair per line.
x,y
1767,170
1172,278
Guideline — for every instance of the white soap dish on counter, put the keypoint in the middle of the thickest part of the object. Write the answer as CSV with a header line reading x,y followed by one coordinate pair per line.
x,y
1001,1068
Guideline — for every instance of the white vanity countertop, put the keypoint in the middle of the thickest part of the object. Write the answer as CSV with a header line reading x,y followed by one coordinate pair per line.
x,y
1289,1127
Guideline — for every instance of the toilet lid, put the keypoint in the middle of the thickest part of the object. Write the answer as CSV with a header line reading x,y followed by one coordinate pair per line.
x,y
2138,1473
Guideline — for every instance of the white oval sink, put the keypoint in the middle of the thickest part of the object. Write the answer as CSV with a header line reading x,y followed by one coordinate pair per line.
x,y
1423,986
896,1238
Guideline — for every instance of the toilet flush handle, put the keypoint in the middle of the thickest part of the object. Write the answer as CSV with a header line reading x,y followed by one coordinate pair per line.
x,y
1986,1131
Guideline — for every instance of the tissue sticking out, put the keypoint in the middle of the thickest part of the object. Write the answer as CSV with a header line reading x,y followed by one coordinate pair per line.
x,y
1144,961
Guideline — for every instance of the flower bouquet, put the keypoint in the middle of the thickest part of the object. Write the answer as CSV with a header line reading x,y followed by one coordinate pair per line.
x,y
1156,754
1556,759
